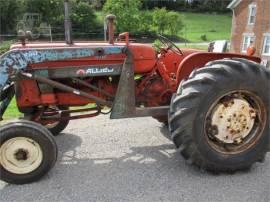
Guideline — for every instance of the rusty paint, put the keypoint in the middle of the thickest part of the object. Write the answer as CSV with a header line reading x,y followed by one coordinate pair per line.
x,y
237,130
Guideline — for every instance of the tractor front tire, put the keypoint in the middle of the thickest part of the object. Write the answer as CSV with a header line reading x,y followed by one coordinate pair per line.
x,y
219,117
56,127
27,152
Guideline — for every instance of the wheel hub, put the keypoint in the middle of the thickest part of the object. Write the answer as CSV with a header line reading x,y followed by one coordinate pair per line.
x,y
232,120
20,155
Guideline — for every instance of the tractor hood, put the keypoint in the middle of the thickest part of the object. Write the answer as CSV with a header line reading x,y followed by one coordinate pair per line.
x,y
57,55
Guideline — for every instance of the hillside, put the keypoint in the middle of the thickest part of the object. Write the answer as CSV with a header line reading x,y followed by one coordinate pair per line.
x,y
215,27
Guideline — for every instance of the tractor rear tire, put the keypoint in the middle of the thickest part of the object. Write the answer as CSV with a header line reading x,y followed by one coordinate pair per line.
x,y
207,124
27,152
162,119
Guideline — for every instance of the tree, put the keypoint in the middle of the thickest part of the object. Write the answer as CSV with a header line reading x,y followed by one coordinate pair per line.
x,y
174,23
146,21
213,5
83,17
167,21
127,13
49,9
9,10
159,19
52,11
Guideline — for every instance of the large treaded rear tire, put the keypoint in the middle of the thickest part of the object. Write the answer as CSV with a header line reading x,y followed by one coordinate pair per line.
x,y
190,105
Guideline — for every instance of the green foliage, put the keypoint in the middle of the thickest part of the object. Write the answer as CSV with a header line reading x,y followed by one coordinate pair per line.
x,y
197,24
12,111
157,45
213,5
165,20
4,46
204,37
52,12
83,17
183,5
159,19
127,12
130,17
146,21
174,23
9,10
169,4
49,9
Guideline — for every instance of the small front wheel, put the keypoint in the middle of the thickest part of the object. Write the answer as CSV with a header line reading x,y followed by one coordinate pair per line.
x,y
58,126
27,152
55,127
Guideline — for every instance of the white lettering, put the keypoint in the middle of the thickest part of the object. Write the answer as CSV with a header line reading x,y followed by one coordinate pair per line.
x,y
99,70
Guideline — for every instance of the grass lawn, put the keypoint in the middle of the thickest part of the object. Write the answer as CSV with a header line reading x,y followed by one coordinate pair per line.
x,y
192,46
215,27
12,111
4,46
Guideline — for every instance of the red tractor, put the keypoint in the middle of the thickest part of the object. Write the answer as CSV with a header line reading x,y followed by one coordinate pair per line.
x,y
217,105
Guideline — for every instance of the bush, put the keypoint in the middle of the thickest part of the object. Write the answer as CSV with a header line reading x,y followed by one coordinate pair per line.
x,y
167,21
159,19
145,22
174,23
127,13
83,17
49,9
204,37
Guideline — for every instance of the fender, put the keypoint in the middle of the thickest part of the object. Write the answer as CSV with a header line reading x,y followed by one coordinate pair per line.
x,y
200,59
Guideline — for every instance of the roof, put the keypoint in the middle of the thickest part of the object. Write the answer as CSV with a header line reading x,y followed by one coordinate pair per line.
x,y
234,4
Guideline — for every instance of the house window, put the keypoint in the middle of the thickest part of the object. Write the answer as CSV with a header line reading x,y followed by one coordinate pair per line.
x,y
252,14
247,40
266,45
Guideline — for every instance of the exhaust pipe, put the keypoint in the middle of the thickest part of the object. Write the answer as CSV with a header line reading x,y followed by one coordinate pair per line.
x,y
110,20
68,30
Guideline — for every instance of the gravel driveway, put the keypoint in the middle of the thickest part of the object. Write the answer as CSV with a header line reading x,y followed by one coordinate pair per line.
x,y
132,160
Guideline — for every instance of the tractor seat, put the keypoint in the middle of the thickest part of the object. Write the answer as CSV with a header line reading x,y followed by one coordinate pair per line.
x,y
219,46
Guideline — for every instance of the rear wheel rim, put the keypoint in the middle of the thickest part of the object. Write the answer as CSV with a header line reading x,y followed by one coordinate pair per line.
x,y
235,122
20,155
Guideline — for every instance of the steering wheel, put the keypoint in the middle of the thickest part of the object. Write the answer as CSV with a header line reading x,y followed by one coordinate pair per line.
x,y
169,45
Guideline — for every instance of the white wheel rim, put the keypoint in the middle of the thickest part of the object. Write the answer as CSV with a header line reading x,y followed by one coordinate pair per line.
x,y
233,121
20,155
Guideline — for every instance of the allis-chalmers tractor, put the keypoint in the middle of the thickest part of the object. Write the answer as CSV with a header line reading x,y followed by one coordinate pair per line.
x,y
216,104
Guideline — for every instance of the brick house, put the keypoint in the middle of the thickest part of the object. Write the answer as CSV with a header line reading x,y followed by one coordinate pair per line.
x,y
251,23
